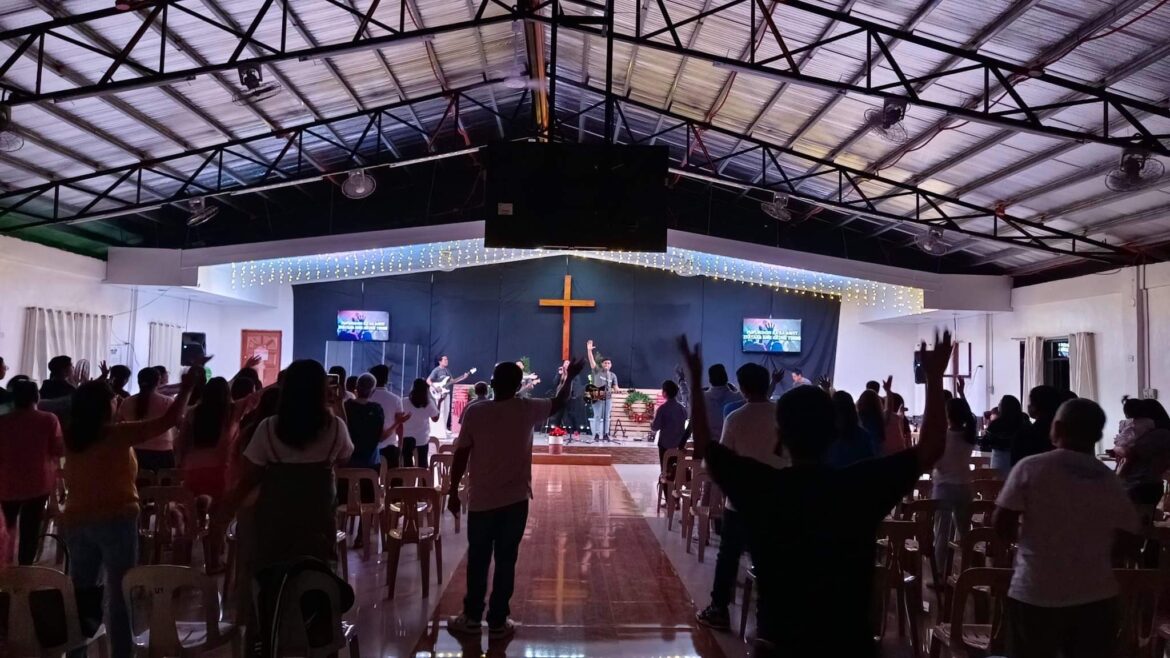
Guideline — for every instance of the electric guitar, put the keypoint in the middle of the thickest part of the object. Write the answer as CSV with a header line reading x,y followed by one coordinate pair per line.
x,y
595,393
439,388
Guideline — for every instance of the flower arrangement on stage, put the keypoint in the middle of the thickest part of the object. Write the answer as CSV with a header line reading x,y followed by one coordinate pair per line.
x,y
557,431
635,399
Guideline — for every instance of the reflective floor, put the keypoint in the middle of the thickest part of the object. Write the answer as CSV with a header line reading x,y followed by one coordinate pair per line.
x,y
592,579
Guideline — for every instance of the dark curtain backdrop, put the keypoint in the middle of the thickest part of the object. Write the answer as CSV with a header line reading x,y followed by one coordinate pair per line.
x,y
482,315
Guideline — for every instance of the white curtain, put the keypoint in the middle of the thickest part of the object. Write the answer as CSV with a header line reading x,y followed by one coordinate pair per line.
x,y
52,332
1033,364
1082,365
165,346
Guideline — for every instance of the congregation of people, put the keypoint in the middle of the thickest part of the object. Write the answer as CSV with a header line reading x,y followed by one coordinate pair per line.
x,y
809,477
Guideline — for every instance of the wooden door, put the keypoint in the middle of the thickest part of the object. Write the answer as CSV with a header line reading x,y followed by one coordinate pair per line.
x,y
264,343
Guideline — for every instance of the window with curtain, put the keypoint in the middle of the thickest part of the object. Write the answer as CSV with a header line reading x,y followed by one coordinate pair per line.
x,y
1082,365
165,346
51,332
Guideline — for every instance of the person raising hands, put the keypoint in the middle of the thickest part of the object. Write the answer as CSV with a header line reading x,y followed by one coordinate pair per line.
x,y
814,528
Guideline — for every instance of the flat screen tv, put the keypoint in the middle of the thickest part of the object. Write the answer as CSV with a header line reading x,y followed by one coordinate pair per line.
x,y
363,325
769,336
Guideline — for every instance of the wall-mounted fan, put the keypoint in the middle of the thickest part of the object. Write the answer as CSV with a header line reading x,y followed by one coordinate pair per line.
x,y
254,88
9,139
201,211
358,185
1136,170
932,243
887,122
777,208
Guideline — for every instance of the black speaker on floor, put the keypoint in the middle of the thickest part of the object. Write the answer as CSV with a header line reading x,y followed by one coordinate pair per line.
x,y
194,346
576,196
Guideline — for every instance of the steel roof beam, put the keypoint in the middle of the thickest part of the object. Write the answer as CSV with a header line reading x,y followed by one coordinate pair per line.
x,y
67,74
974,43
163,71
1009,229
866,70
995,72
1102,19
1124,71
296,23
1022,118
206,180
364,31
804,57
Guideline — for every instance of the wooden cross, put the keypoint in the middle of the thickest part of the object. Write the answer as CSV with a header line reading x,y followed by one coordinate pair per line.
x,y
567,303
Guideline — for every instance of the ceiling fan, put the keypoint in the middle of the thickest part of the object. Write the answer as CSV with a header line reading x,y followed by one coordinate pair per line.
x,y
932,243
777,208
9,139
201,212
254,88
1136,170
887,122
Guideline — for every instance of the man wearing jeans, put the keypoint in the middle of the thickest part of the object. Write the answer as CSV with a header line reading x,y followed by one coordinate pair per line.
x,y
750,431
496,440
1063,597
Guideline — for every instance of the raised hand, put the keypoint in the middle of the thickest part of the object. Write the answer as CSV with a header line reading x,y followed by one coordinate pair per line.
x,y
825,384
693,357
960,385
253,361
936,361
888,384
577,365
105,370
778,376
589,344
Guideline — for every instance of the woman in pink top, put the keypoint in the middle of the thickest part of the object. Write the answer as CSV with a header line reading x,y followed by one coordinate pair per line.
x,y
159,452
30,448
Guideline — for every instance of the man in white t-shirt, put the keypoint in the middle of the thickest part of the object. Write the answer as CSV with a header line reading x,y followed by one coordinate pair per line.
x,y
392,411
749,431
1063,596
496,438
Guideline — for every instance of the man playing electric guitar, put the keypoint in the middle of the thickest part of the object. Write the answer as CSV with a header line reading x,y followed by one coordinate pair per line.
x,y
602,378
441,385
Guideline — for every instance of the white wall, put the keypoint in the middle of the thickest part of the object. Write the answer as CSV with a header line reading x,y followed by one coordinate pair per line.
x,y
35,275
874,350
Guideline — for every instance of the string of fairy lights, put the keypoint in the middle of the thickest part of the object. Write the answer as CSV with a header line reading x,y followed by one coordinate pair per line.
x,y
455,254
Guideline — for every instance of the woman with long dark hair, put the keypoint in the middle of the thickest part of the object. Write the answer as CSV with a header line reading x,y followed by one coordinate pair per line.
x,y
290,461
952,477
158,452
289,464
853,443
100,520
416,431
1002,432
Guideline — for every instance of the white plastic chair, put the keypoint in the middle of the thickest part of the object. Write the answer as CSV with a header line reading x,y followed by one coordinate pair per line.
x,y
19,583
158,586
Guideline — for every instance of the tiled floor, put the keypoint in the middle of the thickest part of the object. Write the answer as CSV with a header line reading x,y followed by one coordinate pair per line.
x,y
591,578
599,575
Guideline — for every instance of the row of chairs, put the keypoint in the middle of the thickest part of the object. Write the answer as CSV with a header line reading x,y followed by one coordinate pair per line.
x,y
153,594
406,508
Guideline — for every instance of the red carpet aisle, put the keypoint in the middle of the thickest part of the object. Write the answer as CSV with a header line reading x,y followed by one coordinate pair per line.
x,y
591,579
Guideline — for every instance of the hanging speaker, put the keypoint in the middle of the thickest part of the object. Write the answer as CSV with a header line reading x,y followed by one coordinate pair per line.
x,y
194,347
